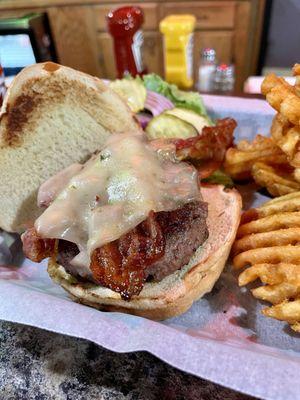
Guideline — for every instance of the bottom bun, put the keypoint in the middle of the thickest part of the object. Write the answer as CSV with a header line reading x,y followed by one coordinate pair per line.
x,y
176,293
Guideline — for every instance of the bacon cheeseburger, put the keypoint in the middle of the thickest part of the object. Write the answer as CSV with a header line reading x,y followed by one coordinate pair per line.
x,y
130,229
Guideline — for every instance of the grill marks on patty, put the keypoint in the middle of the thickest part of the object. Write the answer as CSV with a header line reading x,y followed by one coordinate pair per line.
x,y
184,231
157,247
121,265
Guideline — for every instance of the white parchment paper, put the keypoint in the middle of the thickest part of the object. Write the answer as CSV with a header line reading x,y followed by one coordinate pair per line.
x,y
223,337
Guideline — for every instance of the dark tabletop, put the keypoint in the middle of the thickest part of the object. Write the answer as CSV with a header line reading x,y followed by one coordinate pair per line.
x,y
36,364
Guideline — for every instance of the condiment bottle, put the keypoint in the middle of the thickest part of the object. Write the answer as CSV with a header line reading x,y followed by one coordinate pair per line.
x,y
178,48
124,24
224,78
207,70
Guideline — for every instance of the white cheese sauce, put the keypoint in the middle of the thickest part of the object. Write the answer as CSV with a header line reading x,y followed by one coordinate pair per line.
x,y
115,191
53,186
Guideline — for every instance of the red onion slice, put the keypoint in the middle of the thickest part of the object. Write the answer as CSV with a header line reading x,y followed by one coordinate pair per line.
x,y
157,103
143,119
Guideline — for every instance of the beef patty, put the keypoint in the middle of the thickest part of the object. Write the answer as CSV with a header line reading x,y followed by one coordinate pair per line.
x,y
153,250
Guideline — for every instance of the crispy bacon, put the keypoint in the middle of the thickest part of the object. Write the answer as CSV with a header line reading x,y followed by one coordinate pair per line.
x,y
35,248
207,167
206,151
124,264
120,265
211,144
157,247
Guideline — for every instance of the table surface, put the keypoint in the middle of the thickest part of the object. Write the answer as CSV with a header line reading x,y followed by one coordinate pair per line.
x,y
40,365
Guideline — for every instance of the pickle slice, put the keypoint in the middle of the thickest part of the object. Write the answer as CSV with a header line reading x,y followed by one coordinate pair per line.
x,y
169,126
198,121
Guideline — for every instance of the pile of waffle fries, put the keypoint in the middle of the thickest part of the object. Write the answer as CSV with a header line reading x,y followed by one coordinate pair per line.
x,y
268,244
273,162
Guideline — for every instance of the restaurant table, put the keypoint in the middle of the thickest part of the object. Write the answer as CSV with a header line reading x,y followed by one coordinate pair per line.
x,y
40,365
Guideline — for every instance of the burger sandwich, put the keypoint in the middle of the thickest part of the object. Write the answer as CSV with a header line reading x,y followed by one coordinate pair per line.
x,y
125,222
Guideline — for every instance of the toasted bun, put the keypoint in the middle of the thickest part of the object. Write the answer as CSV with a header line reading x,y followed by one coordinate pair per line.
x,y
51,117
176,293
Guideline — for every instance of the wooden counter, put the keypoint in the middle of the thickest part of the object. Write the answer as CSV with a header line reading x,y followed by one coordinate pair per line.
x,y
233,28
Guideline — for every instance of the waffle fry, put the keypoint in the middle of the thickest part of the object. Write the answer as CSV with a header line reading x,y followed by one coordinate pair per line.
x,y
282,204
276,294
270,223
274,162
279,180
282,97
297,174
239,160
296,70
271,274
268,249
274,255
286,311
263,239
296,73
285,98
287,137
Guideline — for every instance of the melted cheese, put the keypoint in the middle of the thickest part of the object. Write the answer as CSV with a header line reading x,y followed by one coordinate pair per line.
x,y
115,191
53,186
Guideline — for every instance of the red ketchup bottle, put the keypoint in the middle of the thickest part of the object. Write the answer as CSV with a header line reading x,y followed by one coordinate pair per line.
x,y
124,24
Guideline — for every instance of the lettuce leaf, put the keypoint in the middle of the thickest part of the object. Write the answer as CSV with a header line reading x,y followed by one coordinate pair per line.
x,y
156,84
190,100
220,178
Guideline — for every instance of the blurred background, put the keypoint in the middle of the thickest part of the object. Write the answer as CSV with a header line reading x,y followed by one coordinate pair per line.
x,y
213,46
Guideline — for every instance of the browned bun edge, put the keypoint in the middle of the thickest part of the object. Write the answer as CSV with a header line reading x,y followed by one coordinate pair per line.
x,y
176,293
52,116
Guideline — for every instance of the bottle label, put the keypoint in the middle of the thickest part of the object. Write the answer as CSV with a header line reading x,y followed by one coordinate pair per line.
x,y
137,43
189,56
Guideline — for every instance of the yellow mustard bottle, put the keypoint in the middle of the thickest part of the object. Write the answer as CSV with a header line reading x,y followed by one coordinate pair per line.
x,y
178,48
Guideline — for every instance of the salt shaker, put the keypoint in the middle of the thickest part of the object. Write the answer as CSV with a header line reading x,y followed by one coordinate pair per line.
x,y
207,69
224,78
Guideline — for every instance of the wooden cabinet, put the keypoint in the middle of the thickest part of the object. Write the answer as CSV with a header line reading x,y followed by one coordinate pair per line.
x,y
232,28
209,14
106,55
75,40
153,52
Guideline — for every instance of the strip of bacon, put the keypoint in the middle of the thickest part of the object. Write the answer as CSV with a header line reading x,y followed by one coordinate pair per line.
x,y
211,144
35,248
120,265
207,167
205,151
155,248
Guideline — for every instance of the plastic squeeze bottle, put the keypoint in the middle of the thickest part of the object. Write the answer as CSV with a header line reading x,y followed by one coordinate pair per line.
x,y
178,48
124,24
